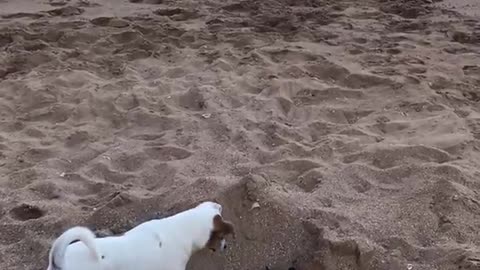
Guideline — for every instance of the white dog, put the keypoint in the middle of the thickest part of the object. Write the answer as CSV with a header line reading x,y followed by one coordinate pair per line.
x,y
165,244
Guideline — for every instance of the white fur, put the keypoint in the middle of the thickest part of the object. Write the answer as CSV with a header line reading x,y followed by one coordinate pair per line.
x,y
166,243
223,245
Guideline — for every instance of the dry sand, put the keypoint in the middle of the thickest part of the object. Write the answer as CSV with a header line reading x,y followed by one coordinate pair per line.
x,y
355,126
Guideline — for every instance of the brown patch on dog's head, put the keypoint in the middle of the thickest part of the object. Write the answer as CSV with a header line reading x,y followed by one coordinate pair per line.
x,y
221,228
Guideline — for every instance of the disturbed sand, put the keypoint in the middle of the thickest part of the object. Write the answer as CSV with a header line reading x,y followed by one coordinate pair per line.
x,y
354,125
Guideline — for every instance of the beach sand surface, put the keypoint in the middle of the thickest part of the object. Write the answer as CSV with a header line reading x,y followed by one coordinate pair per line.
x,y
337,134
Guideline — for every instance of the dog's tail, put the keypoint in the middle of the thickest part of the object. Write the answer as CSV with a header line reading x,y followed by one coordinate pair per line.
x,y
59,247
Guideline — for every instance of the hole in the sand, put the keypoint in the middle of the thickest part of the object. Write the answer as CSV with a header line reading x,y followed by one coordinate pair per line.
x,y
26,212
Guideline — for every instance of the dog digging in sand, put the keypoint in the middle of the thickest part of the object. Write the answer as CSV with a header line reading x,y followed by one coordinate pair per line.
x,y
166,243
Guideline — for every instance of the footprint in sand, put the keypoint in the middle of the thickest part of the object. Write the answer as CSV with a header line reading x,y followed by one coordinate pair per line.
x,y
192,100
162,176
23,15
46,190
308,97
103,172
177,14
38,154
167,153
309,181
110,22
22,178
67,11
77,138
129,162
388,158
290,56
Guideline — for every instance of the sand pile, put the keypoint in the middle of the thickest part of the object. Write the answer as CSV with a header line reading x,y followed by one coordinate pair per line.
x,y
353,125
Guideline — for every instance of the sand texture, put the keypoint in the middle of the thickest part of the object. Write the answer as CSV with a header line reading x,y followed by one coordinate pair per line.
x,y
338,134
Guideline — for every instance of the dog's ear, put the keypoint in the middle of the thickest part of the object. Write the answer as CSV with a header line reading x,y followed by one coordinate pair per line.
x,y
222,226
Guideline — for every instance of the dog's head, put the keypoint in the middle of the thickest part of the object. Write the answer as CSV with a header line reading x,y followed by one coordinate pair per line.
x,y
219,228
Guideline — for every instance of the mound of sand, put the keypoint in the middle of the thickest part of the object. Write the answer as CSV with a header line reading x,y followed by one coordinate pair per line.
x,y
353,127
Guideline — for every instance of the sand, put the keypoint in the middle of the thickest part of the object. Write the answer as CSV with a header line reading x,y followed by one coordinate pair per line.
x,y
337,134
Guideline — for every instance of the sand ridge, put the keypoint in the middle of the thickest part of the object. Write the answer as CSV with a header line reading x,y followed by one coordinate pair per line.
x,y
353,125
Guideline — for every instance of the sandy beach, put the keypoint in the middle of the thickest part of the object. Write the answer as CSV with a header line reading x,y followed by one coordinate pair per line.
x,y
337,135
